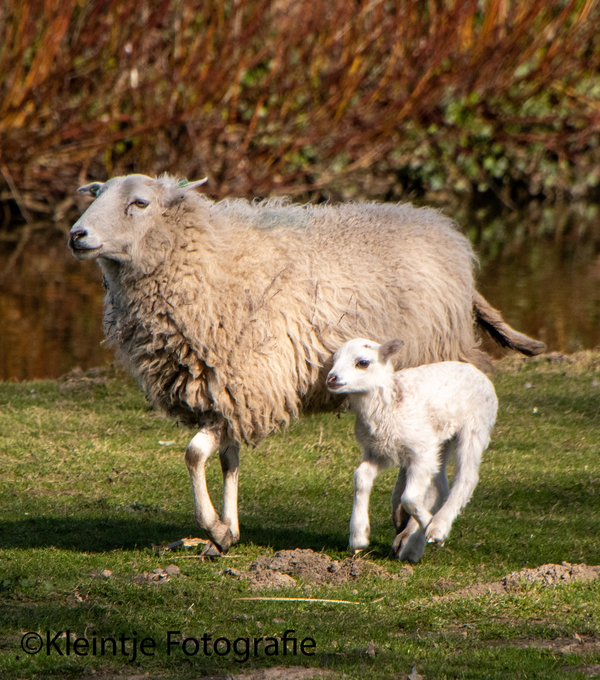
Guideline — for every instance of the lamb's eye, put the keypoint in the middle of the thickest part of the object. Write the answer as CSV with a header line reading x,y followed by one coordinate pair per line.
x,y
140,203
363,363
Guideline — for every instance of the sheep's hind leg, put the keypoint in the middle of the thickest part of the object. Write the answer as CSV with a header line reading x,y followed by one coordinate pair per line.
x,y
198,451
230,465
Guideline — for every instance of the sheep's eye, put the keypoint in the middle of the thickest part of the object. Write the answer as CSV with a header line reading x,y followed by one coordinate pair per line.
x,y
363,363
140,203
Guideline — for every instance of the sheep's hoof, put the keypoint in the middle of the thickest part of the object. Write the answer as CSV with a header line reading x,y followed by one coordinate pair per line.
x,y
210,550
222,539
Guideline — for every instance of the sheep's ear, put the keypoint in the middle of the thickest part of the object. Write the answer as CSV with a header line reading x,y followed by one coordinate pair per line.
x,y
388,349
191,185
91,189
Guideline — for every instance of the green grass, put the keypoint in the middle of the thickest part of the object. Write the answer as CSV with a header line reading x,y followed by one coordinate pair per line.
x,y
86,486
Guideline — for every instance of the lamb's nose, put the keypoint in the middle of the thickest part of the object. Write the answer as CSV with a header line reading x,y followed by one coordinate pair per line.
x,y
332,379
76,236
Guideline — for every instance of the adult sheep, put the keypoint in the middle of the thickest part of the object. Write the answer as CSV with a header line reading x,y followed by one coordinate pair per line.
x,y
228,312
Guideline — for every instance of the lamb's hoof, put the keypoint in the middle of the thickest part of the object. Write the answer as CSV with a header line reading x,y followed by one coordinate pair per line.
x,y
398,544
438,541
408,547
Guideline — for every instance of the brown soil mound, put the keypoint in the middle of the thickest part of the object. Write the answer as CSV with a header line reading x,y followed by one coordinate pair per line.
x,y
550,574
284,567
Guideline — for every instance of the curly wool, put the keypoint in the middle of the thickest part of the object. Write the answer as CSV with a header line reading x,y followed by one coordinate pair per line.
x,y
233,309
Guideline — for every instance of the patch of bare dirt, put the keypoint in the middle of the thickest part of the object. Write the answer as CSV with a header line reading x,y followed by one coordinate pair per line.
x,y
590,669
549,574
553,574
158,575
575,645
76,379
277,673
284,673
284,567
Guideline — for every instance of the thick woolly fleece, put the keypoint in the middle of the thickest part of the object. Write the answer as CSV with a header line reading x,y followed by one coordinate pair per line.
x,y
231,310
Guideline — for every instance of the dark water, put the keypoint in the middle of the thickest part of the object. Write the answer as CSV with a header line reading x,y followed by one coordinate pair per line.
x,y
50,313
541,269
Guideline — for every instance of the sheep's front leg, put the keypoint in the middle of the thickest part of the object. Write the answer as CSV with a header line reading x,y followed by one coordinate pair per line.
x,y
364,476
198,451
230,465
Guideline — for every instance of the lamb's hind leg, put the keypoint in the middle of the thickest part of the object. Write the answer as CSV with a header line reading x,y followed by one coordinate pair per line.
x,y
198,451
469,447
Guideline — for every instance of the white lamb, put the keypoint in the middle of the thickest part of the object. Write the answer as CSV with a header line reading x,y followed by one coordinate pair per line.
x,y
414,418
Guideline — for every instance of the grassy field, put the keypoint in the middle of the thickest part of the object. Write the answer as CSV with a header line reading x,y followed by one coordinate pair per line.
x,y
91,480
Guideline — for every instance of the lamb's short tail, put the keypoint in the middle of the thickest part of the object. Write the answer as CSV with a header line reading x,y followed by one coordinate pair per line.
x,y
491,321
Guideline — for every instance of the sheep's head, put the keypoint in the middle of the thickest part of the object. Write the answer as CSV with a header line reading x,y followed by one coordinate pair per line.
x,y
361,366
123,211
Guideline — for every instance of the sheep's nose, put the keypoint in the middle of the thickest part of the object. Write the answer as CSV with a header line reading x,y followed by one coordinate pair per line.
x,y
76,236
332,379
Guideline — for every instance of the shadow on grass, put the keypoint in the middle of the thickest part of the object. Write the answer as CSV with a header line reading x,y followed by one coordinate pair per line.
x,y
101,534
529,518
89,534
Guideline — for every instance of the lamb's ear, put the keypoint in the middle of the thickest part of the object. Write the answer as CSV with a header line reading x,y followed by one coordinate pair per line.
x,y
388,349
91,189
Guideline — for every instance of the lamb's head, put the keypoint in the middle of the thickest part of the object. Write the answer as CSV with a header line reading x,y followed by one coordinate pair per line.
x,y
123,211
362,365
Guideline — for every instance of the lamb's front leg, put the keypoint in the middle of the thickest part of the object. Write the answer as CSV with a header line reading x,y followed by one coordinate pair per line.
x,y
364,476
198,451
409,543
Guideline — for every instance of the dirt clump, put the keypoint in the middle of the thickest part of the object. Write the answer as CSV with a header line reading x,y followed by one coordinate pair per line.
x,y
549,574
592,670
284,567
157,575
284,673
578,644
552,574
77,380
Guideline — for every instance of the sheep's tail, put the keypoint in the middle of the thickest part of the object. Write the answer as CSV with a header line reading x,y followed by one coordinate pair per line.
x,y
491,321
